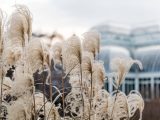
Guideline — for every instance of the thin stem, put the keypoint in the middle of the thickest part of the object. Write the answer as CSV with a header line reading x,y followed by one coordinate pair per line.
x,y
50,80
44,97
41,107
1,91
90,101
81,85
70,71
34,105
51,107
1,87
63,90
114,101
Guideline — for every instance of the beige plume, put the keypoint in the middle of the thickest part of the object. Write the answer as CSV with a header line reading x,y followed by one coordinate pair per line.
x,y
91,42
87,61
71,53
37,55
56,51
17,35
121,67
87,68
100,102
98,74
26,22
118,109
135,103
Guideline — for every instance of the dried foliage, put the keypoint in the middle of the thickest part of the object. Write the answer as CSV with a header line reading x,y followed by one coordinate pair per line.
x,y
118,106
56,51
70,61
91,42
18,33
121,67
37,55
98,75
135,102
71,53
51,110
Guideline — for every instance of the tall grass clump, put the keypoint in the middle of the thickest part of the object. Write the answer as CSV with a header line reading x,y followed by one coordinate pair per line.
x,y
52,78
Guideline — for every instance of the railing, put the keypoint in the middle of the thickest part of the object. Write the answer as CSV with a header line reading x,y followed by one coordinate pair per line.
x,y
148,84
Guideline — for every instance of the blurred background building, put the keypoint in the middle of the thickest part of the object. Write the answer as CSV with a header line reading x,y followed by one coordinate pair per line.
x,y
141,42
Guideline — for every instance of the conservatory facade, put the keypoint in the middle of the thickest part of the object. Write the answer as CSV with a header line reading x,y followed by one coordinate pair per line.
x,y
142,43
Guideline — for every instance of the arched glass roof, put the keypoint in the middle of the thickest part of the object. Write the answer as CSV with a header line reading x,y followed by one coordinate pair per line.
x,y
150,58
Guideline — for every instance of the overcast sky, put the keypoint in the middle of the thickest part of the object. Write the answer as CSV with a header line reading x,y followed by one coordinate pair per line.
x,y
77,16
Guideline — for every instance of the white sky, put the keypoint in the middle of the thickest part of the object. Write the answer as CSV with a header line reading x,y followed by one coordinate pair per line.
x,y
77,16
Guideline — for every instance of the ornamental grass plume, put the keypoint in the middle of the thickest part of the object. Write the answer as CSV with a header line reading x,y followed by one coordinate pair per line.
x,y
118,109
56,51
17,35
135,105
37,55
87,61
98,75
100,105
91,42
87,68
71,53
121,66
72,59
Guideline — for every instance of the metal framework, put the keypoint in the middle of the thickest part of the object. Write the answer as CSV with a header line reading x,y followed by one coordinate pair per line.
x,y
148,84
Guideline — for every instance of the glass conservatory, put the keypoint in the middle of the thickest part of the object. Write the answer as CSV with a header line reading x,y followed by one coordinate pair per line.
x,y
142,43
